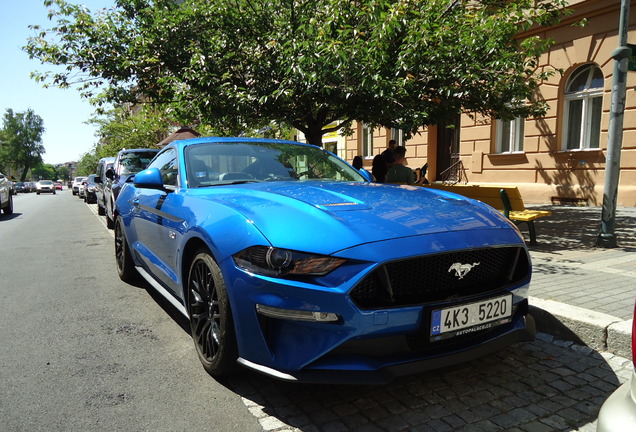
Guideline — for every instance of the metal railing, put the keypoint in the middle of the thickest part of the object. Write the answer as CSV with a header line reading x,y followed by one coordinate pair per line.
x,y
454,174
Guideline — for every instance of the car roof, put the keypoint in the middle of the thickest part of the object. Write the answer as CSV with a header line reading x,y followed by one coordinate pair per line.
x,y
220,140
139,150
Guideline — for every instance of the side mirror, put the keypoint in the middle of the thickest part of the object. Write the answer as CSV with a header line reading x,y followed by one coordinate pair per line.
x,y
110,173
150,178
366,174
98,180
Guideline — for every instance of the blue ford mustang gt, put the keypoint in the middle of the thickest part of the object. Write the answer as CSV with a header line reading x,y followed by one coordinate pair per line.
x,y
287,261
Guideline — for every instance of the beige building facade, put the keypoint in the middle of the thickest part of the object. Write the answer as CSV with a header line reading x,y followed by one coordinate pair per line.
x,y
561,155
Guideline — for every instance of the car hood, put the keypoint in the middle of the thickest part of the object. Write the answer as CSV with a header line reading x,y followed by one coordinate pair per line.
x,y
332,216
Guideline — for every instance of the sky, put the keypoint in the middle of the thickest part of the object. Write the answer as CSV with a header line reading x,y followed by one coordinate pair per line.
x,y
64,112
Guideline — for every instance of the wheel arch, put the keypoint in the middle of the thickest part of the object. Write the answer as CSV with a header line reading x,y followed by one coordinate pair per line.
x,y
190,249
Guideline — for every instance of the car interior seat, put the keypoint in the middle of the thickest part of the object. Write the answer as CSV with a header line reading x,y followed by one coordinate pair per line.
x,y
197,172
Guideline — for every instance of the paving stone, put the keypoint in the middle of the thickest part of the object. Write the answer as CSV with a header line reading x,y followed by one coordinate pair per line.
x,y
556,422
534,426
392,423
354,420
534,389
335,426
506,421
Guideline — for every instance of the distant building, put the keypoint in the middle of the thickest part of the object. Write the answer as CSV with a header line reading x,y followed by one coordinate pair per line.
x,y
181,134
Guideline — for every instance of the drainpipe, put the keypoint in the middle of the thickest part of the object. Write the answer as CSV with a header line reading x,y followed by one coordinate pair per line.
x,y
606,237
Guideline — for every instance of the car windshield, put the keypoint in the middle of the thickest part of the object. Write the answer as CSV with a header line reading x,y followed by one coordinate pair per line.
x,y
46,182
132,163
236,162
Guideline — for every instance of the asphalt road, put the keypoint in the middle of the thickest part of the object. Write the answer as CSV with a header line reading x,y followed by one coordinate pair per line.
x,y
81,350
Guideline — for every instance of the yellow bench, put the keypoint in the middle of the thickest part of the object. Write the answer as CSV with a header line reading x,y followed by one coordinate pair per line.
x,y
506,199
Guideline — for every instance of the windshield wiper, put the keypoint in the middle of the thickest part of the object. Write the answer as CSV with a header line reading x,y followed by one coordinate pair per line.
x,y
235,182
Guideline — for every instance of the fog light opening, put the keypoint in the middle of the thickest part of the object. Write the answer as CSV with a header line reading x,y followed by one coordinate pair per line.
x,y
296,315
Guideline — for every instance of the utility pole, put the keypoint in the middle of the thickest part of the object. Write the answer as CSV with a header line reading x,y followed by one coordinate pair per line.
x,y
606,237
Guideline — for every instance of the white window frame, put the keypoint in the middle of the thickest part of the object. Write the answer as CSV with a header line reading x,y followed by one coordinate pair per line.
x,y
398,136
366,141
587,96
510,141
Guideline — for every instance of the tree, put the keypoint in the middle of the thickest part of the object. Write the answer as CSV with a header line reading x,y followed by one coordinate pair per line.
x,y
21,140
87,164
121,127
62,173
44,171
305,63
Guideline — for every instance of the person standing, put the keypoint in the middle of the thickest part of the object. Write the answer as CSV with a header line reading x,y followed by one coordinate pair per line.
x,y
388,153
357,162
399,172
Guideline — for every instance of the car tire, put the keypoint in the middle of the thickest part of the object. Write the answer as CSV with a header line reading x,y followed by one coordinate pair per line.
x,y
100,210
109,223
38,193
8,209
211,323
123,258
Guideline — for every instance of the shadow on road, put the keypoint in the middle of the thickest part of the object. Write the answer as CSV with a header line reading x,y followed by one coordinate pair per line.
x,y
539,386
571,227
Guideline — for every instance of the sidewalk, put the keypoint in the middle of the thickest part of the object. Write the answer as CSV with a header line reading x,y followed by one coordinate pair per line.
x,y
579,292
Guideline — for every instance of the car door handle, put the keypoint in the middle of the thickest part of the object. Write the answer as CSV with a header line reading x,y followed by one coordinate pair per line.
x,y
135,204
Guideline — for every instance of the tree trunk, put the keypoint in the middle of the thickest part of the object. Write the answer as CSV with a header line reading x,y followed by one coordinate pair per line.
x,y
25,171
314,134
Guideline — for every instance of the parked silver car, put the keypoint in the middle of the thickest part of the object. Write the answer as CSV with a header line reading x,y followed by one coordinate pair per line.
x,y
45,186
77,181
618,413
100,181
6,198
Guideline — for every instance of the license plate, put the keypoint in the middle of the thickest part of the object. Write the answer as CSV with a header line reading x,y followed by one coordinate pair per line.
x,y
470,317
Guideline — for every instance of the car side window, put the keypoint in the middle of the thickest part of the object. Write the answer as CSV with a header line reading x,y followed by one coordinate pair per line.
x,y
166,162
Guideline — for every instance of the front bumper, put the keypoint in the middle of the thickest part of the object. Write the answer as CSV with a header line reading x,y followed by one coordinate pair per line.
x,y
524,330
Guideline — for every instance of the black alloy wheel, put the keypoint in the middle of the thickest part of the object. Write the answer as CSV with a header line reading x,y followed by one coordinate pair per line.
x,y
210,314
125,266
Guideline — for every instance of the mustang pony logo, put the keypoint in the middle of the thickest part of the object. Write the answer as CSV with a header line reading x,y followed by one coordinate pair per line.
x,y
462,270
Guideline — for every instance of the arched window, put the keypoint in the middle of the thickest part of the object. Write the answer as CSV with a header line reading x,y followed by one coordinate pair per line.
x,y
583,108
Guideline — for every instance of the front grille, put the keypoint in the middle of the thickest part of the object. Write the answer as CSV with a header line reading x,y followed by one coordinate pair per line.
x,y
435,278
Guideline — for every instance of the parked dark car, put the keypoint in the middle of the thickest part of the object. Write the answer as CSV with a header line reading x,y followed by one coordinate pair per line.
x,y
19,187
100,181
126,165
89,190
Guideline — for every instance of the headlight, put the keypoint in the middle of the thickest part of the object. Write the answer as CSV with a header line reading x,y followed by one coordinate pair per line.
x,y
271,261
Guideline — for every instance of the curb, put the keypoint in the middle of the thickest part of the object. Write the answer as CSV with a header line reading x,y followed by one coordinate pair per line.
x,y
596,330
